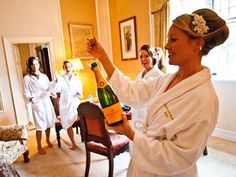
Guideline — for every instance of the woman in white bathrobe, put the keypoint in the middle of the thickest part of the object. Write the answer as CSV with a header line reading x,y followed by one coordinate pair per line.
x,y
182,107
148,60
37,91
161,60
70,89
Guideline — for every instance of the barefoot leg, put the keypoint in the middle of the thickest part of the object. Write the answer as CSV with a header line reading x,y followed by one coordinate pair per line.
x,y
71,136
48,138
38,138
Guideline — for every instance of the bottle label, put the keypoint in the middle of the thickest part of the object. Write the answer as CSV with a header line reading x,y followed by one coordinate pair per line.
x,y
101,83
113,113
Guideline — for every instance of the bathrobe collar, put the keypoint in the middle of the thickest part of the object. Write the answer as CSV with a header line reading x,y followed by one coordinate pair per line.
x,y
182,87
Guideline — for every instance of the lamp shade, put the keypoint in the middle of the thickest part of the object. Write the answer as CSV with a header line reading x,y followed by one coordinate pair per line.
x,y
77,64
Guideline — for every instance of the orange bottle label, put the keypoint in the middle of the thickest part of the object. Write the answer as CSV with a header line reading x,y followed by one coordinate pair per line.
x,y
113,113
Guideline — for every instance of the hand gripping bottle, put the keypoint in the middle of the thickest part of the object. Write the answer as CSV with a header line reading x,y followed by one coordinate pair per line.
x,y
109,102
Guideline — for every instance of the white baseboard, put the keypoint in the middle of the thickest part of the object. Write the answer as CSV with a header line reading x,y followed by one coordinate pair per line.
x,y
224,134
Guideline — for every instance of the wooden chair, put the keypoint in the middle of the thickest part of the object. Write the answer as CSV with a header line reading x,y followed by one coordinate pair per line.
x,y
96,138
58,126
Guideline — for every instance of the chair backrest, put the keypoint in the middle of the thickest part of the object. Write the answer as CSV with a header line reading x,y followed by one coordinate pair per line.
x,y
56,103
92,124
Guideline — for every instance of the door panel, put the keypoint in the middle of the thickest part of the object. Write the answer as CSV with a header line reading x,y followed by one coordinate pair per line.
x,y
22,116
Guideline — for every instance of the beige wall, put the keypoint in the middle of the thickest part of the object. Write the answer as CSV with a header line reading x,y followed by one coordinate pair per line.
x,y
123,9
84,12
79,12
26,18
226,126
76,12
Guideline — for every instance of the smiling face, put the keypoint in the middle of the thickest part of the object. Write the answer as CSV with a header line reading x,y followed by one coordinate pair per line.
x,y
180,46
68,68
145,59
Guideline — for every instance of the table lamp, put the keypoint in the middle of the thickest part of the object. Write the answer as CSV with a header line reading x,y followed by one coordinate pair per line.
x,y
77,65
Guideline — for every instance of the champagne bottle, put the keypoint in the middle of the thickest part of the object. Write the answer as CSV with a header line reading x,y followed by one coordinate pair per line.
x,y
109,102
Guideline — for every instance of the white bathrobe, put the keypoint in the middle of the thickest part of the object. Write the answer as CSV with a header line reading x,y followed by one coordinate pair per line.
x,y
70,94
42,113
139,113
178,123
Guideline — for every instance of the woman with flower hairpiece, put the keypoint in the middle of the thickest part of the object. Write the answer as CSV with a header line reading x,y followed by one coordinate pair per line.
x,y
182,107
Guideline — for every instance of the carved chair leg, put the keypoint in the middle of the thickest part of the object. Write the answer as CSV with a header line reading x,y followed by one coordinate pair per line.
x,y
58,137
26,156
205,152
111,166
87,163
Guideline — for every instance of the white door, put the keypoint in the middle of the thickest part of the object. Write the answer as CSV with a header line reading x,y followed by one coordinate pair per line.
x,y
20,106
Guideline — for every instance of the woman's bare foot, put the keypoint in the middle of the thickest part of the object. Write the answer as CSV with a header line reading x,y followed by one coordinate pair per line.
x,y
49,144
72,147
41,150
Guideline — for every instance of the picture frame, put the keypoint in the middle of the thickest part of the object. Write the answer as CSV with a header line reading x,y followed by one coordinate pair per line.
x,y
78,37
128,38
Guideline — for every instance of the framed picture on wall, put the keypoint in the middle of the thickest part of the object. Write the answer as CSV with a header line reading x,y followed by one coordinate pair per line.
x,y
128,38
78,37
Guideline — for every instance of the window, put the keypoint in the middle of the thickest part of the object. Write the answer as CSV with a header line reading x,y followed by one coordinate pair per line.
x,y
222,59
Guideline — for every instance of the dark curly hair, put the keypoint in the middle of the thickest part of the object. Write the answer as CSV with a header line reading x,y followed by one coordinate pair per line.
x,y
30,62
151,51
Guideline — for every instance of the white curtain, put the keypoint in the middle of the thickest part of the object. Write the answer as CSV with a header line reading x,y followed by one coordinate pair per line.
x,y
160,11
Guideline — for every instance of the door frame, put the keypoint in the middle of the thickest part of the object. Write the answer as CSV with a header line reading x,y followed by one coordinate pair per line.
x,y
21,116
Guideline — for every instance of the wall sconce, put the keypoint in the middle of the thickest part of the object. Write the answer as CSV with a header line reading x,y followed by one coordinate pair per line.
x,y
77,65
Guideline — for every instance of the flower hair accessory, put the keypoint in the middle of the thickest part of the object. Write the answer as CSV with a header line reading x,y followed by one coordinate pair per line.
x,y
200,24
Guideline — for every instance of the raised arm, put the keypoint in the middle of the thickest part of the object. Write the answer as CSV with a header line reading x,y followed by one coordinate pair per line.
x,y
97,50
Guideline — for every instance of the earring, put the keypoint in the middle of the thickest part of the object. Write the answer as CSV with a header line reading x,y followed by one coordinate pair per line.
x,y
200,48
